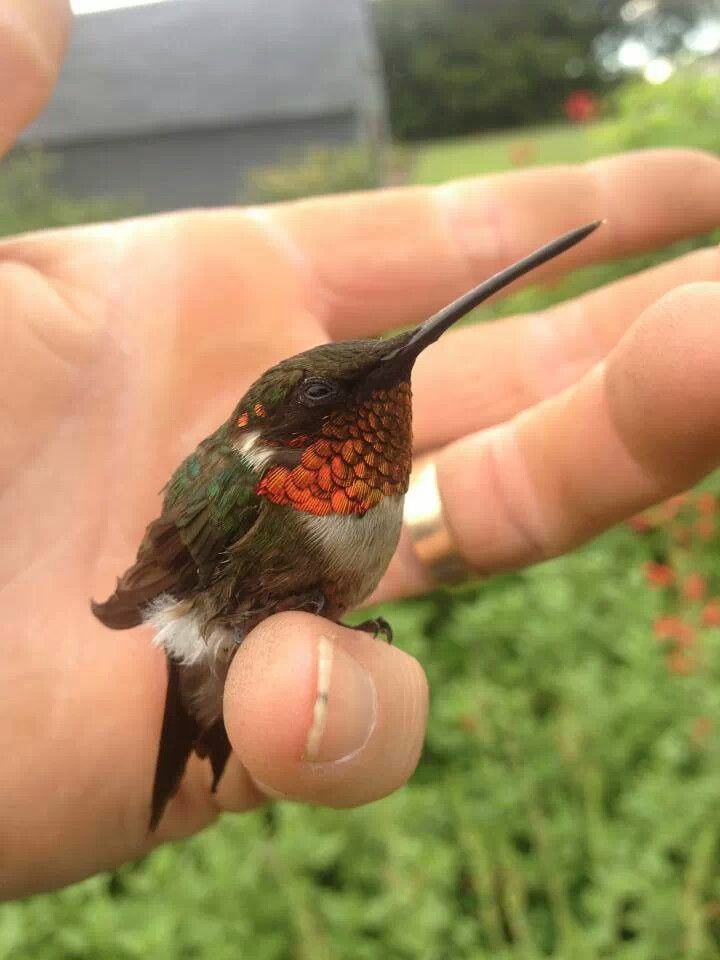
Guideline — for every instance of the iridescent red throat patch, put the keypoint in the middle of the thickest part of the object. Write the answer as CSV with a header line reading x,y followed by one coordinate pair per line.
x,y
359,458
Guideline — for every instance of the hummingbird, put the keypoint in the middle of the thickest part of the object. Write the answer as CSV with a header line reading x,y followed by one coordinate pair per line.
x,y
294,503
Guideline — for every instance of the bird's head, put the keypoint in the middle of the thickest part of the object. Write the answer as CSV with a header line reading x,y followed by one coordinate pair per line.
x,y
329,431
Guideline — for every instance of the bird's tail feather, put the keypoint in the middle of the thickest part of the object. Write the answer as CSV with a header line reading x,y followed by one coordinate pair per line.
x,y
214,744
180,735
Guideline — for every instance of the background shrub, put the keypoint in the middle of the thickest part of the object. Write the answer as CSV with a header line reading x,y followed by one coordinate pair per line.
x,y
322,170
686,110
28,202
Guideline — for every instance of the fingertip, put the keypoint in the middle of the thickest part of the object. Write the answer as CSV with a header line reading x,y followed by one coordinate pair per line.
x,y
323,713
32,41
269,691
663,383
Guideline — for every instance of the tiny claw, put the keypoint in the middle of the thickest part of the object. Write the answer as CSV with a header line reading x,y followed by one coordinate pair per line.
x,y
378,627
315,603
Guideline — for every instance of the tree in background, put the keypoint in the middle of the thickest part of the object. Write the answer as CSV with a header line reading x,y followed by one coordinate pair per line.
x,y
463,66
452,69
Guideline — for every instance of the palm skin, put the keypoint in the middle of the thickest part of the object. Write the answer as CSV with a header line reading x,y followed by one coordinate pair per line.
x,y
125,344
109,388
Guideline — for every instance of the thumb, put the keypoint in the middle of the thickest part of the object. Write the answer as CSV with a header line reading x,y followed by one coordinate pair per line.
x,y
32,41
323,713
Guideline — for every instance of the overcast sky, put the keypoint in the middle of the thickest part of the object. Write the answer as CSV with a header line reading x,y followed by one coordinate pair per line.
x,y
87,6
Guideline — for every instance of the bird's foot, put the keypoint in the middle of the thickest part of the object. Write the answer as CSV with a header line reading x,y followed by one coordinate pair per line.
x,y
313,602
378,627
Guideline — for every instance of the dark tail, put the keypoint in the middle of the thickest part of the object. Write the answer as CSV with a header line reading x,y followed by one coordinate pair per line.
x,y
116,615
180,735
164,565
214,744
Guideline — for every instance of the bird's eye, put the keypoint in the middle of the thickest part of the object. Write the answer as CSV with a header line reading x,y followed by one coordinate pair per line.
x,y
315,390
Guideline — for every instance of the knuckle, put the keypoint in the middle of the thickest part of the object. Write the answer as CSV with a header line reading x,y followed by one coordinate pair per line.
x,y
692,295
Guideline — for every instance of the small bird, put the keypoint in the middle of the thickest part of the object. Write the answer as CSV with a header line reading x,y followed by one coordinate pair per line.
x,y
294,503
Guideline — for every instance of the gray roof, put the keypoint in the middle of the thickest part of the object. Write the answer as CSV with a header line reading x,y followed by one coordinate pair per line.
x,y
209,63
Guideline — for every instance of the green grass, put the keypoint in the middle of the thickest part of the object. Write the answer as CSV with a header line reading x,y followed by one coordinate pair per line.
x,y
472,156
566,804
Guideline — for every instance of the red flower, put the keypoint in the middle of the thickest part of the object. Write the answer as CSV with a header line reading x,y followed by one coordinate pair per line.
x,y
674,628
671,507
666,628
685,635
706,503
521,153
694,586
581,106
702,726
640,523
659,574
680,662
711,613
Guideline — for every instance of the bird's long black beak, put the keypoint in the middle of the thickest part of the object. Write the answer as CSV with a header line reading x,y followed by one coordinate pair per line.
x,y
435,326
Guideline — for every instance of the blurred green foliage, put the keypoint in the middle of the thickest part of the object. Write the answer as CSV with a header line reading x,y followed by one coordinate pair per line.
x,y
321,170
450,71
566,804
29,202
685,110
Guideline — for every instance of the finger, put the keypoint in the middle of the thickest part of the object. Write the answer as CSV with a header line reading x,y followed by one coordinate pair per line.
x,y
32,41
392,257
640,426
484,374
325,714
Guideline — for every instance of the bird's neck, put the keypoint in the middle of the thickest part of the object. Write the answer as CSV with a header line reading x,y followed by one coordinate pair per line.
x,y
358,458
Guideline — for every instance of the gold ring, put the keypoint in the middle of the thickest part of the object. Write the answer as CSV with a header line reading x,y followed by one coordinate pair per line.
x,y
424,518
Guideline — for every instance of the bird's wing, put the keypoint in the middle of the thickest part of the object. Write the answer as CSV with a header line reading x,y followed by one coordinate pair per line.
x,y
210,503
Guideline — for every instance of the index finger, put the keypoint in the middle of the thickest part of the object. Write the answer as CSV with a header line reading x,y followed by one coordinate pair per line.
x,y
392,257
638,427
32,40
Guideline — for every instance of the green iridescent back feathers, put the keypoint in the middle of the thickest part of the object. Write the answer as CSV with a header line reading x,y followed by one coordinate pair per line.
x,y
210,503
211,497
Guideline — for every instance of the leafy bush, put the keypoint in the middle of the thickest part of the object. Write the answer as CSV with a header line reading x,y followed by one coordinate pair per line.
x,y
684,111
451,70
28,201
322,170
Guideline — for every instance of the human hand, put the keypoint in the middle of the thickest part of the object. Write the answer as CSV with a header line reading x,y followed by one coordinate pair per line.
x,y
126,343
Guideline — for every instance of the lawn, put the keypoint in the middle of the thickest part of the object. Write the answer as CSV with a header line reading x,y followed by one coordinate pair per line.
x,y
470,156
566,802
